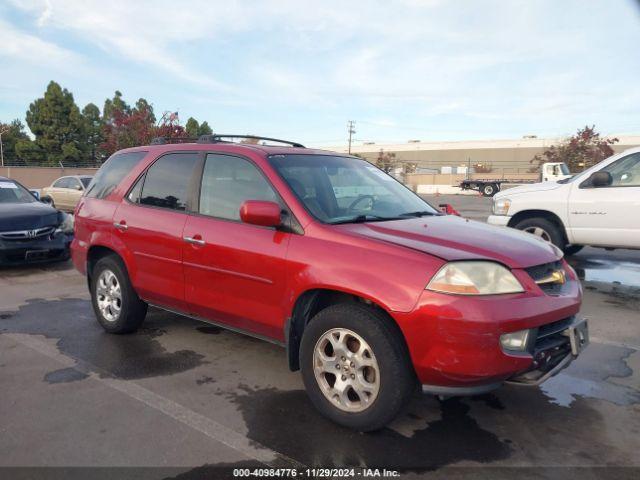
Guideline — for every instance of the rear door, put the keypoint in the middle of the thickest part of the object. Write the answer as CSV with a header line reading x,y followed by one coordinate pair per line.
x,y
235,272
58,191
608,216
149,223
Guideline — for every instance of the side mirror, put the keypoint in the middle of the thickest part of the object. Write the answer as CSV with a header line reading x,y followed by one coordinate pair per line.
x,y
79,187
258,212
47,199
601,179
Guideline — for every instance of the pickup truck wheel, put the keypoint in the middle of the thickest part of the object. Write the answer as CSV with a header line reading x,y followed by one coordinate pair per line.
x,y
355,367
489,190
115,303
544,229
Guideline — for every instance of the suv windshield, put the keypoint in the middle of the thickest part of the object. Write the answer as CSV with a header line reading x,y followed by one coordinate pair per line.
x,y
11,192
346,189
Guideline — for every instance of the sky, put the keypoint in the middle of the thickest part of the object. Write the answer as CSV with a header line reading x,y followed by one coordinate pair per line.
x,y
404,69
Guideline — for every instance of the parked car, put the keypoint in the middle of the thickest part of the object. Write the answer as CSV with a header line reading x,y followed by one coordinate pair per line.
x,y
65,192
371,290
31,231
599,207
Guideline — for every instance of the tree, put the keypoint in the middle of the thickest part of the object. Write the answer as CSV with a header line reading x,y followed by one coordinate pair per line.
x,y
125,127
58,126
11,133
192,127
204,129
115,104
579,152
386,161
93,126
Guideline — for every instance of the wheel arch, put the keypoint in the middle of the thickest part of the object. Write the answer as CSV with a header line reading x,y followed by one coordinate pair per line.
x,y
546,214
94,254
311,302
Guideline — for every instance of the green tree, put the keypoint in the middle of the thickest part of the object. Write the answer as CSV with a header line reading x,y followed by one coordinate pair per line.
x,y
579,152
145,108
204,129
192,127
11,134
58,126
115,104
93,127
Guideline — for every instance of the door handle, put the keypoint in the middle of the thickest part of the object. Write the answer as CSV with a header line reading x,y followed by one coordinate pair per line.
x,y
194,241
121,226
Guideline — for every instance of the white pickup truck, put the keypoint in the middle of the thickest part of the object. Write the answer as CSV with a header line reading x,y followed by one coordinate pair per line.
x,y
599,207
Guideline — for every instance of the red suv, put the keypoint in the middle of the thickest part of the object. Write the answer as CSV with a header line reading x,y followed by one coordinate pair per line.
x,y
371,290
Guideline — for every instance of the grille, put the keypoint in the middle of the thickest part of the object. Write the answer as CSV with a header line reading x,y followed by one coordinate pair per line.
x,y
27,234
540,272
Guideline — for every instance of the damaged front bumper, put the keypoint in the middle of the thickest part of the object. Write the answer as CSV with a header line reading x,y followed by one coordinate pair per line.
x,y
556,346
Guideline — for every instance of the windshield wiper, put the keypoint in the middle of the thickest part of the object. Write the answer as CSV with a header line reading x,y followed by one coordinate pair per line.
x,y
364,218
421,213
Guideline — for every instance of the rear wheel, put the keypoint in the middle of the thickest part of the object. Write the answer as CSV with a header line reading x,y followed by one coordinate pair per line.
x,y
355,367
117,306
489,190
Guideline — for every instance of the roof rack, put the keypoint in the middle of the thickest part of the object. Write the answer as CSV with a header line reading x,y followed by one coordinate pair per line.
x,y
218,138
166,140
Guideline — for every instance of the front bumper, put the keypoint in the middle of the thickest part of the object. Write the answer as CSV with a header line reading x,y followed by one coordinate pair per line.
x,y
46,249
454,341
500,220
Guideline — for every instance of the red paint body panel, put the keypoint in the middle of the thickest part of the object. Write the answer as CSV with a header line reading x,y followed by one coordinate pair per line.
x,y
249,277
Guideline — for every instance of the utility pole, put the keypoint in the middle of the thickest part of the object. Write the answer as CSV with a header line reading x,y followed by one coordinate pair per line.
x,y
352,129
2,130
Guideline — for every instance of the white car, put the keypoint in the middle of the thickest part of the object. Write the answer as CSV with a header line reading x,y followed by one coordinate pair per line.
x,y
599,207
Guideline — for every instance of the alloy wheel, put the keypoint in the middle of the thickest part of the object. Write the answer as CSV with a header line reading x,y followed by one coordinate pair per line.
x,y
109,296
346,370
539,232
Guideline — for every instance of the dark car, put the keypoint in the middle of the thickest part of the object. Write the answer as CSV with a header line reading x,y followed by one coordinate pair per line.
x,y
31,231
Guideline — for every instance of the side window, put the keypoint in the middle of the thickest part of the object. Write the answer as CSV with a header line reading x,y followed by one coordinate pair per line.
x,y
112,172
227,182
166,183
73,183
61,183
625,172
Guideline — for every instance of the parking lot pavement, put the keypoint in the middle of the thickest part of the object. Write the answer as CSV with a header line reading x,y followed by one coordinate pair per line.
x,y
185,394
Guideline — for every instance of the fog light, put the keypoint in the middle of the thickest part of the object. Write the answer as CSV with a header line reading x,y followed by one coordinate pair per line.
x,y
515,341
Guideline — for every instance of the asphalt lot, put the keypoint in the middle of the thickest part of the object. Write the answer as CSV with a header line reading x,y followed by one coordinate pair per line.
x,y
187,395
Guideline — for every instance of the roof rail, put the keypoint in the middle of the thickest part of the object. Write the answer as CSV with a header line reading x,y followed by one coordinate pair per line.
x,y
218,137
166,140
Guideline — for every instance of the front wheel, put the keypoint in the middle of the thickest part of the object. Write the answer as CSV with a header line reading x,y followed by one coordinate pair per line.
x,y
117,306
543,228
355,366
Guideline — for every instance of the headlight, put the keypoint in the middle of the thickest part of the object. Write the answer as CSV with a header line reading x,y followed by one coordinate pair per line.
x,y
474,278
516,341
66,226
501,206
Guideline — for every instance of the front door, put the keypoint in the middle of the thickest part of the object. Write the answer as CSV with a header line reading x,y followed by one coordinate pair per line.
x,y
609,215
149,222
235,272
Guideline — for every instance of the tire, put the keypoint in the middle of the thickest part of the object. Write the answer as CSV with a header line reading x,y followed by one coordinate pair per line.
x,y
544,228
489,190
572,249
391,379
110,273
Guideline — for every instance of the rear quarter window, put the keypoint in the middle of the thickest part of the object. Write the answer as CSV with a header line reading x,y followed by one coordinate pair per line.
x,y
112,172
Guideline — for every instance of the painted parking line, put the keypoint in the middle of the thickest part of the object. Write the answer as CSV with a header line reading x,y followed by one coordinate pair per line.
x,y
212,429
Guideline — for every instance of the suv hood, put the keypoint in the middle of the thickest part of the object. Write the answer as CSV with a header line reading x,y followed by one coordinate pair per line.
x,y
453,238
26,216
534,187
